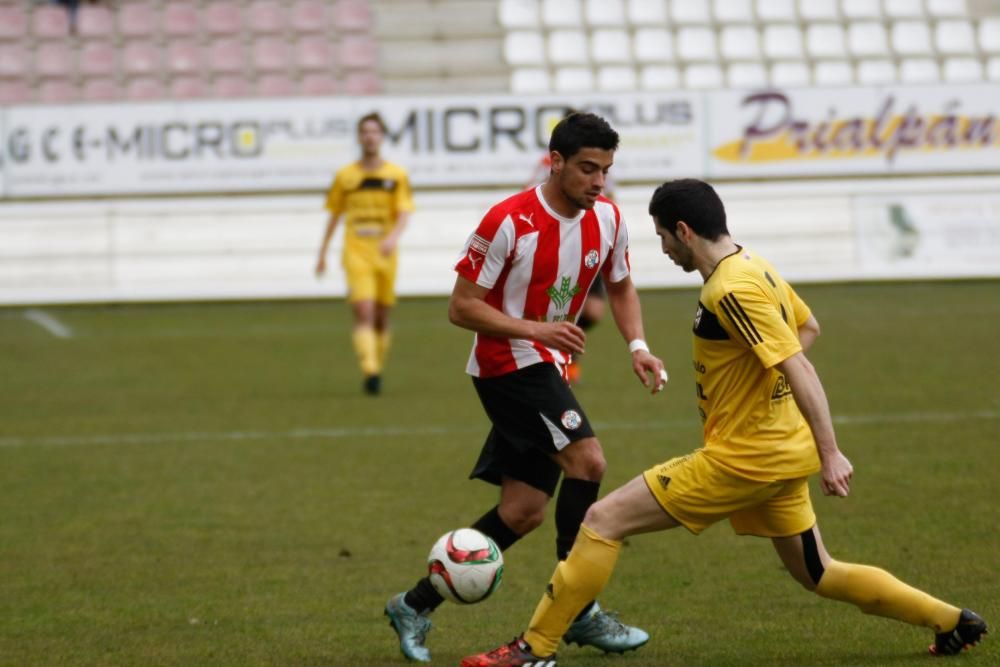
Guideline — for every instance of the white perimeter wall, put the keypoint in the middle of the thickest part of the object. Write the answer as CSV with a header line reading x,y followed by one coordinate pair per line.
x,y
240,247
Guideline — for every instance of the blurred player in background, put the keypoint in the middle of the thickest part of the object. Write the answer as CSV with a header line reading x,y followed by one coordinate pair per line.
x,y
522,279
374,195
761,443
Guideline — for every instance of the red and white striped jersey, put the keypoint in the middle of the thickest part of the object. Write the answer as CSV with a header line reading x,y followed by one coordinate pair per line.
x,y
539,265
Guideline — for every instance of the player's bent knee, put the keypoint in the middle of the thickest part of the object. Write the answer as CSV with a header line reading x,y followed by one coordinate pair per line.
x,y
523,520
600,519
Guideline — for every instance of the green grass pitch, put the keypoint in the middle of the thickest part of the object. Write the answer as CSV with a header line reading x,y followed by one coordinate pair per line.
x,y
206,485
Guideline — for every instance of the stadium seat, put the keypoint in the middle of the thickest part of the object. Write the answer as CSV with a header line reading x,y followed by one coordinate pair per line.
x,y
265,17
518,14
526,80
358,52
903,9
653,45
818,10
15,91
826,40
310,16
739,42
567,47
646,12
409,20
790,74
574,79
13,22
783,42
318,84
954,37
832,73
145,88
271,54
617,78
611,45
860,10
989,35
746,75
353,16
57,91
313,53
659,77
222,17
364,82
562,14
696,43
55,59
703,76
690,13
274,85
188,88
185,56
524,47
993,69
946,8
137,20
180,19
911,38
95,22
226,54
867,39
919,70
140,57
962,70
465,20
97,59
230,86
14,61
876,72
605,13
733,11
776,11
50,22
100,90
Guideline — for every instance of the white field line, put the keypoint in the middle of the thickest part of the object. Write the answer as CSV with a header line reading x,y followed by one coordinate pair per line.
x,y
406,431
48,322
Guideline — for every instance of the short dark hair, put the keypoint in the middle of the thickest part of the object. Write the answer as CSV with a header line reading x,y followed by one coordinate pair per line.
x,y
693,201
582,130
374,115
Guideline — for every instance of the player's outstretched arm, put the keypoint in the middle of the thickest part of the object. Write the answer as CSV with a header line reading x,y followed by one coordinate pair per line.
x,y
811,399
625,308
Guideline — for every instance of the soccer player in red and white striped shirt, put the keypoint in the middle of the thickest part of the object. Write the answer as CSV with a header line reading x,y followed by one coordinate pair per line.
x,y
523,276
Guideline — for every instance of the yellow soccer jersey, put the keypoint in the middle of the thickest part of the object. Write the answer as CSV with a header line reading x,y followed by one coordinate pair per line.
x,y
747,321
370,200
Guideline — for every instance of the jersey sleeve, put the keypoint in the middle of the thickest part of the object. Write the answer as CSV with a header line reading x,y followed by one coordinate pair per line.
x,y
800,310
752,317
404,193
487,250
335,196
617,267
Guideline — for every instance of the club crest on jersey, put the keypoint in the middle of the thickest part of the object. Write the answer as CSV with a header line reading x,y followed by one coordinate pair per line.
x,y
571,420
590,261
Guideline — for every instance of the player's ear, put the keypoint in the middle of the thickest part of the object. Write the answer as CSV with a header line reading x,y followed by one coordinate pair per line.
x,y
684,232
557,161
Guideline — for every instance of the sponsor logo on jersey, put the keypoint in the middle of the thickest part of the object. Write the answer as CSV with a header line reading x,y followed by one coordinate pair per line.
x,y
527,219
479,244
571,420
781,388
663,480
590,261
562,296
474,259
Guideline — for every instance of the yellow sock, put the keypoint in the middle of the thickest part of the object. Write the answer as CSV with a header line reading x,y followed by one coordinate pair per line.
x,y
383,341
365,347
575,583
877,592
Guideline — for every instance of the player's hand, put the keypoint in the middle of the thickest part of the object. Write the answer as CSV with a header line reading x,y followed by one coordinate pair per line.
x,y
649,370
563,336
321,266
835,477
387,246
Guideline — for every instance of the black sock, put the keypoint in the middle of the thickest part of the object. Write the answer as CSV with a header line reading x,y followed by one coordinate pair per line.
x,y
424,598
575,496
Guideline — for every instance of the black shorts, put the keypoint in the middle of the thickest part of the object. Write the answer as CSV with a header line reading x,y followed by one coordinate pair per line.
x,y
534,415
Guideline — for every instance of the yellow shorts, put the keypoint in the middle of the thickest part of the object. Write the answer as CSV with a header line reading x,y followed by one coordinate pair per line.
x,y
697,492
371,276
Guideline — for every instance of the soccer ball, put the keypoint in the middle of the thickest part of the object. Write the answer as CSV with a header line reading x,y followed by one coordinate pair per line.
x,y
465,566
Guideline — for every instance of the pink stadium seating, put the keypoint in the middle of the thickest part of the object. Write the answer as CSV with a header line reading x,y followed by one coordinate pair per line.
x,y
57,91
309,16
352,15
180,18
313,53
13,60
187,88
275,85
54,59
357,52
15,92
97,59
100,90
266,17
50,22
271,54
136,20
95,22
318,84
226,55
13,22
223,18
145,88
362,83
141,58
230,86
184,56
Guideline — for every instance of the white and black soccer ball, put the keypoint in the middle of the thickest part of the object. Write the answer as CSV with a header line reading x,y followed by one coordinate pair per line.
x,y
465,566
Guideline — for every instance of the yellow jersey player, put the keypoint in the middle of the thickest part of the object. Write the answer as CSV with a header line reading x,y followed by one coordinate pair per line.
x,y
767,427
374,197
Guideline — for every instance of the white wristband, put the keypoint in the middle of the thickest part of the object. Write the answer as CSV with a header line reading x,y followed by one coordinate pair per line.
x,y
638,344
